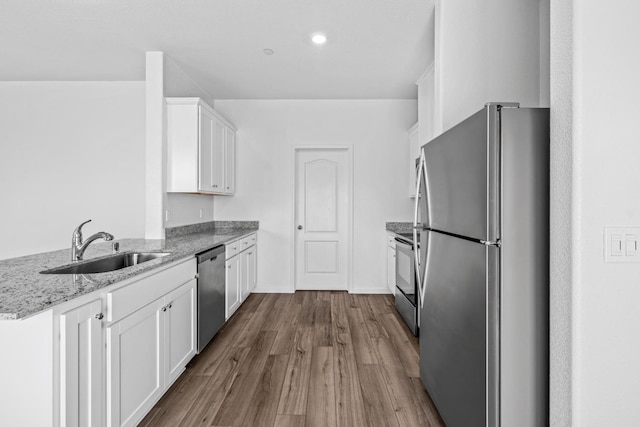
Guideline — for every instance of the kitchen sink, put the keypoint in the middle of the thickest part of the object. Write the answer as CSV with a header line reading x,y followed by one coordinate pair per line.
x,y
106,264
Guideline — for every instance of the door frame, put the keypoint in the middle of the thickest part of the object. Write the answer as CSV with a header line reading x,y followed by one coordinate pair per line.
x,y
349,150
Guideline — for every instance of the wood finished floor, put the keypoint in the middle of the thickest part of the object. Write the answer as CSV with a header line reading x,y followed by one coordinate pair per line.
x,y
306,359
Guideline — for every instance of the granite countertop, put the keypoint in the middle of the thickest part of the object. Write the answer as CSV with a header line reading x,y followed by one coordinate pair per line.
x,y
399,227
24,291
402,229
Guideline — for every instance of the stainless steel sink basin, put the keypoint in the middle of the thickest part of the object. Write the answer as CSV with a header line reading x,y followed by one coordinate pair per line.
x,y
110,263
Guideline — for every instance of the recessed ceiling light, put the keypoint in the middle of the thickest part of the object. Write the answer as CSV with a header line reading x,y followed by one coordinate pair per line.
x,y
319,39
267,52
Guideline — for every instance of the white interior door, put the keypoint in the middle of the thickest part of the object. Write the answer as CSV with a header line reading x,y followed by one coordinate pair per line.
x,y
323,200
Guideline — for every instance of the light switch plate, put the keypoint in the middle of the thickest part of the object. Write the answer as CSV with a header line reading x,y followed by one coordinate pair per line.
x,y
621,244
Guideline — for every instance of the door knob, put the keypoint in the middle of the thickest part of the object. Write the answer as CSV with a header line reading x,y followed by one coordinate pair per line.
x,y
299,227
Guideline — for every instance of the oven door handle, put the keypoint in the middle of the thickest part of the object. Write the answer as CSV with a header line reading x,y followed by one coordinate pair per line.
x,y
404,243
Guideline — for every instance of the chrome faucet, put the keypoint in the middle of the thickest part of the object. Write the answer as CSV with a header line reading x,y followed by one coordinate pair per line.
x,y
78,246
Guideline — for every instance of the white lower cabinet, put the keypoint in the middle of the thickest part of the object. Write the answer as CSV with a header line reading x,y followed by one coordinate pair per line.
x,y
147,351
180,330
242,271
391,263
249,261
104,358
135,357
81,362
233,294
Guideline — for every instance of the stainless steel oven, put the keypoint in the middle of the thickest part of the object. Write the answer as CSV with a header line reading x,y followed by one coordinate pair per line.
x,y
406,295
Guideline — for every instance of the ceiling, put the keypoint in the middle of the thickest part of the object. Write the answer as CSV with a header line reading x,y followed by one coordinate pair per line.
x,y
376,49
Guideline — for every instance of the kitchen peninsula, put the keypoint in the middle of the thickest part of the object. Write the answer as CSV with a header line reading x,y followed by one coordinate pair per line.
x,y
70,337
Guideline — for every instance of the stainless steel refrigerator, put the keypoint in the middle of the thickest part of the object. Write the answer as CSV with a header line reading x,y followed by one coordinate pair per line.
x,y
482,209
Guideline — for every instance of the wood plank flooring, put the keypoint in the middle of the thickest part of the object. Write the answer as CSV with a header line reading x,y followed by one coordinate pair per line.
x,y
306,359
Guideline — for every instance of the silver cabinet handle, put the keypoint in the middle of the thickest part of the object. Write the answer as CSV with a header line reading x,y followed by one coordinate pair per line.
x,y
99,316
299,227
170,305
164,308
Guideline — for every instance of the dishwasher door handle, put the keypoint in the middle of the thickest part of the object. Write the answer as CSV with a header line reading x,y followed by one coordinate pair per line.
x,y
210,255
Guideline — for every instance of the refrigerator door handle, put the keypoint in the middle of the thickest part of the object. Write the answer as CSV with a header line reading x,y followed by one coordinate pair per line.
x,y
416,226
416,204
422,286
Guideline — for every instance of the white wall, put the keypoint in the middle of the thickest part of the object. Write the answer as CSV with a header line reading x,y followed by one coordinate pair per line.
x,y
69,151
562,207
486,51
185,208
594,93
267,132
155,146
544,55
165,78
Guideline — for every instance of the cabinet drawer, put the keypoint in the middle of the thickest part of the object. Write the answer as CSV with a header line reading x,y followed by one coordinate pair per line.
x,y
233,248
248,241
131,297
245,243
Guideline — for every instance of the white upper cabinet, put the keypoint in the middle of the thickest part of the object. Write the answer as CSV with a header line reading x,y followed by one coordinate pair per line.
x,y
424,130
426,105
414,153
200,148
230,161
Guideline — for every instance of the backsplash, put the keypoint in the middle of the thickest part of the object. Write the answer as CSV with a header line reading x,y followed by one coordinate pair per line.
x,y
209,226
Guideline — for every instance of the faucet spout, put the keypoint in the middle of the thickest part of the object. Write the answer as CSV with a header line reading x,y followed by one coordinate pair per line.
x,y
78,246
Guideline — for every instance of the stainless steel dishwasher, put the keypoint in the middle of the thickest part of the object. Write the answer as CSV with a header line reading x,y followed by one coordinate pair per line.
x,y
211,294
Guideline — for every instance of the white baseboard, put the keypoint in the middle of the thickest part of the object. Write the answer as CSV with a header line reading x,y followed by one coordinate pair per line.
x,y
384,290
274,289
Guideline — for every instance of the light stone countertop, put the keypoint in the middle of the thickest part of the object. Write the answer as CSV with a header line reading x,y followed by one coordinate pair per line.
x,y
400,228
25,292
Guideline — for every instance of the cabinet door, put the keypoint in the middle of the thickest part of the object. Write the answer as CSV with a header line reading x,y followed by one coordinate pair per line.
x,y
206,148
217,162
230,161
211,167
180,329
233,285
414,153
81,366
252,267
135,361
244,274
391,268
